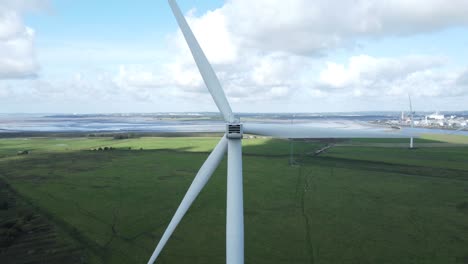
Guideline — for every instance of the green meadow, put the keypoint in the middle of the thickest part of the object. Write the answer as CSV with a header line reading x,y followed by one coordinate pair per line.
x,y
361,201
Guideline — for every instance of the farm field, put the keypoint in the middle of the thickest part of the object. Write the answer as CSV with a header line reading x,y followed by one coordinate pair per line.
x,y
375,202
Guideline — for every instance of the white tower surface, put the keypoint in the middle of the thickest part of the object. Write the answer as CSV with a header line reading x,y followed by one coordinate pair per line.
x,y
412,119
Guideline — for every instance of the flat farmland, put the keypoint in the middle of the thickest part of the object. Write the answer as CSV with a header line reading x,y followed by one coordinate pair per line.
x,y
369,203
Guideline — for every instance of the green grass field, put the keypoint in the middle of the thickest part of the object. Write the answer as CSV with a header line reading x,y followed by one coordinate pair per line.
x,y
352,204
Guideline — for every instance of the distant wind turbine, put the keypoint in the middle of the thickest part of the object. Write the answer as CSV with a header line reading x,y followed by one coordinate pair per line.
x,y
232,143
412,119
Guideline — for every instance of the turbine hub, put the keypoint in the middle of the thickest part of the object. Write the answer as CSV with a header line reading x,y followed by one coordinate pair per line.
x,y
234,131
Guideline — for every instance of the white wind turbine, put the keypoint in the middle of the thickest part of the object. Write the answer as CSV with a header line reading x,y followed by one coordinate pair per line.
x,y
232,143
412,119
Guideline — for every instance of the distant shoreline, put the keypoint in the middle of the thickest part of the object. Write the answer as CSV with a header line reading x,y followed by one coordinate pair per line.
x,y
75,134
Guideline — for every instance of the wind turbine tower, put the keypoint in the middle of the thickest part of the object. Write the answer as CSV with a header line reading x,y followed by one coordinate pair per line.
x,y
292,162
412,119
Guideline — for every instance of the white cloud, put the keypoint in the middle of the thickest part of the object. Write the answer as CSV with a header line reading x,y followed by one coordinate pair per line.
x,y
369,76
308,27
462,80
5,91
266,51
17,56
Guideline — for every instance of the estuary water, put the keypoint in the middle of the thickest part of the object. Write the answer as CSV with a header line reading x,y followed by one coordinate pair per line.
x,y
179,122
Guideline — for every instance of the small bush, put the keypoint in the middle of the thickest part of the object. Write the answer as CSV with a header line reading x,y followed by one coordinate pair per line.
x,y
9,224
463,206
23,152
4,205
121,136
29,216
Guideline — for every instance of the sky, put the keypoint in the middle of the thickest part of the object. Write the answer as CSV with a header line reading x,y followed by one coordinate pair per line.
x,y
67,56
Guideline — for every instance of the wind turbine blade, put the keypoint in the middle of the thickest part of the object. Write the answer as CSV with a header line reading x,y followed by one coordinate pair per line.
x,y
197,185
235,205
206,71
304,131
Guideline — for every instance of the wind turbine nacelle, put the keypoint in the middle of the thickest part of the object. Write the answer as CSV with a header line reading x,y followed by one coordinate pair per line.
x,y
234,131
